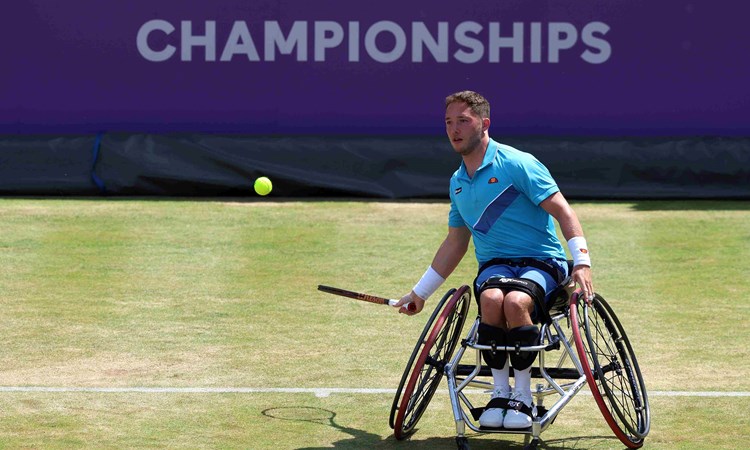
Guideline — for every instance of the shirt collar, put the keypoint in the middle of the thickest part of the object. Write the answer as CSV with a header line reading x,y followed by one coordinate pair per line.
x,y
489,157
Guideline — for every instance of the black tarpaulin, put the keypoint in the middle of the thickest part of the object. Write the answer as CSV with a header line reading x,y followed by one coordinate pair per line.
x,y
390,167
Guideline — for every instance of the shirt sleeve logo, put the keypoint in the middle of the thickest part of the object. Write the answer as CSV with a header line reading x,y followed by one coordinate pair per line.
x,y
458,190
493,180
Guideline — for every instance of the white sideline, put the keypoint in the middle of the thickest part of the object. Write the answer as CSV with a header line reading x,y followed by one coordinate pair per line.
x,y
318,392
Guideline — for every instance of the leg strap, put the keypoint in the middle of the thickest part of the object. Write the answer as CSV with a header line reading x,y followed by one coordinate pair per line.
x,y
553,271
529,287
504,403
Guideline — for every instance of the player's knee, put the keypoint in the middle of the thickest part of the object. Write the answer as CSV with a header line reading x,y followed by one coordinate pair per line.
x,y
491,307
496,337
491,297
517,303
522,337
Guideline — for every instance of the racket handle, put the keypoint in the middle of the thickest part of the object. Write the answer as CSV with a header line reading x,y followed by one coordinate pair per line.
x,y
410,306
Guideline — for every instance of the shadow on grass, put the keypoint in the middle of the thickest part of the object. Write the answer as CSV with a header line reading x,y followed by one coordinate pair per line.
x,y
692,205
239,198
360,439
516,442
678,204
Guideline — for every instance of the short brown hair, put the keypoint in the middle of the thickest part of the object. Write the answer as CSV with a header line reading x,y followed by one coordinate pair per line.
x,y
478,104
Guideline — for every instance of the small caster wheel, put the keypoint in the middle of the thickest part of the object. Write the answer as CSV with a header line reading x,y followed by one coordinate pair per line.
x,y
463,443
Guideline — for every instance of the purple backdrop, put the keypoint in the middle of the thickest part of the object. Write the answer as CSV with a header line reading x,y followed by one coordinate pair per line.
x,y
570,67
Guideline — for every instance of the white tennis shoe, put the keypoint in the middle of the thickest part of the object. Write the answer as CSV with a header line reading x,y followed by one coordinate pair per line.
x,y
493,417
516,419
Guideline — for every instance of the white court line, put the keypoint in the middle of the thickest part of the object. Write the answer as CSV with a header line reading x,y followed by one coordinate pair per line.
x,y
318,392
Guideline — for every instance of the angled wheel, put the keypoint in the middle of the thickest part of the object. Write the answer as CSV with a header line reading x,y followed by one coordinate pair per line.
x,y
611,369
425,367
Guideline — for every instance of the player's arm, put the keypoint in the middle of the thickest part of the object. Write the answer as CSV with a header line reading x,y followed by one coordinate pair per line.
x,y
570,227
448,256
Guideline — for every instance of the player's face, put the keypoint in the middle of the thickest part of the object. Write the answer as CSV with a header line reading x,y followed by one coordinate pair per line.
x,y
465,128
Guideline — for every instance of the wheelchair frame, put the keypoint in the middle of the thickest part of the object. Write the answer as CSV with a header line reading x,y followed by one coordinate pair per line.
x,y
595,351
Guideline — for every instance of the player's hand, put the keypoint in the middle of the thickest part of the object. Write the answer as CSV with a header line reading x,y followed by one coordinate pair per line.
x,y
413,298
582,277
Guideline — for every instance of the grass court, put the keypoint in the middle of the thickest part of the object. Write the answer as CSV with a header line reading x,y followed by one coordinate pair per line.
x,y
179,323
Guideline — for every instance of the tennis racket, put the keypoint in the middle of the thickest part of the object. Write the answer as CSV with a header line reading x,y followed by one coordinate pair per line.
x,y
364,297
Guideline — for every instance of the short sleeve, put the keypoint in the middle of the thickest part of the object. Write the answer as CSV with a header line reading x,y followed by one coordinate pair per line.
x,y
533,179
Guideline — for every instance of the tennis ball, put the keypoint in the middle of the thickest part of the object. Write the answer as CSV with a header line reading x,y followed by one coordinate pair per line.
x,y
263,186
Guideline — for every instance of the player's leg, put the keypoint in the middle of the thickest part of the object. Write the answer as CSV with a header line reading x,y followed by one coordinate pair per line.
x,y
519,312
494,334
519,307
492,331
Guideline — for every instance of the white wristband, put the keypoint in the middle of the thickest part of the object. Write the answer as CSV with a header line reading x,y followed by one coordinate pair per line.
x,y
580,251
428,284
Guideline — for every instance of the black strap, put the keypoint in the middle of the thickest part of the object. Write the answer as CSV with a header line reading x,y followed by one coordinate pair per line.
x,y
503,403
551,270
530,287
506,403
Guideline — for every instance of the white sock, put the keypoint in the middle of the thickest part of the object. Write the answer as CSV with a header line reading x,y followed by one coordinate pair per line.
x,y
501,378
523,381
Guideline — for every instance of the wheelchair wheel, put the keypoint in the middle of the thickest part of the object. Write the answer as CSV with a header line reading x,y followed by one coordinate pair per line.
x,y
611,369
425,367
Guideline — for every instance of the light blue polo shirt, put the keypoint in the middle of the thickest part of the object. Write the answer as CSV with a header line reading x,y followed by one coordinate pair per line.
x,y
500,205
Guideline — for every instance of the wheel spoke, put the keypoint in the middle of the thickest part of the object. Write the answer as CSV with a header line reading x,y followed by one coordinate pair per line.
x,y
614,378
426,367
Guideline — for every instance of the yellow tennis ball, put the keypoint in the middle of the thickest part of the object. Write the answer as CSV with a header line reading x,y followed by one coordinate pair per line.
x,y
263,186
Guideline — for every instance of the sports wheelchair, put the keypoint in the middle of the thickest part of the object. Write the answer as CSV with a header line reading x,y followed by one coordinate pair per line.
x,y
580,343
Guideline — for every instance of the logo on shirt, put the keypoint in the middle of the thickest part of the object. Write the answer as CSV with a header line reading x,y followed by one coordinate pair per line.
x,y
493,180
458,190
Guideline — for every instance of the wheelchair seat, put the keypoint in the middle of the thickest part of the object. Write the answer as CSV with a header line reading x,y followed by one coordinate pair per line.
x,y
556,302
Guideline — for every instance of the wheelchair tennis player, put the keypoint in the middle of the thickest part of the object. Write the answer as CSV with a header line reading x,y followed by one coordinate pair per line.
x,y
506,200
